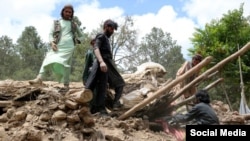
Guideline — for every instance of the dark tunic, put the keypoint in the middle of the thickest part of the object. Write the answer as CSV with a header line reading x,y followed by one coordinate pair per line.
x,y
100,79
203,114
89,59
115,79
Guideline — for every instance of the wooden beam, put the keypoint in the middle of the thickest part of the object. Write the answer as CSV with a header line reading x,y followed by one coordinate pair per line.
x,y
217,67
162,90
5,103
181,103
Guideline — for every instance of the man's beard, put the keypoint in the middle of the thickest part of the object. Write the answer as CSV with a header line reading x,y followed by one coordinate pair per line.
x,y
108,34
68,19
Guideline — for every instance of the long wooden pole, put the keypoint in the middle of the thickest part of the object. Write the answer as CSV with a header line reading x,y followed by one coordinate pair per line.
x,y
243,96
208,77
217,67
181,103
227,98
187,74
158,93
186,87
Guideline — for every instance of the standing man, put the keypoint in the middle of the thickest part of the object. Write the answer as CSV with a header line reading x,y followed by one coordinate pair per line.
x,y
196,59
89,60
62,39
104,68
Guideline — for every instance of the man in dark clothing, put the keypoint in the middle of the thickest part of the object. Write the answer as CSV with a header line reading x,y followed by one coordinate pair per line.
x,y
89,59
104,68
202,112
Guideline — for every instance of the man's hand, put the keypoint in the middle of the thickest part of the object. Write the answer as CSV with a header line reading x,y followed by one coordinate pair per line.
x,y
53,46
103,66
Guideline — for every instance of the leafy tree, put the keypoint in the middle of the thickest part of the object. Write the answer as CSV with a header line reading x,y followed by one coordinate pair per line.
x,y
79,59
10,61
125,49
159,47
79,54
220,39
123,44
32,51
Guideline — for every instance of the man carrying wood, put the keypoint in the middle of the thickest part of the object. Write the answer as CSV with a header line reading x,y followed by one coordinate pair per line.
x,y
196,59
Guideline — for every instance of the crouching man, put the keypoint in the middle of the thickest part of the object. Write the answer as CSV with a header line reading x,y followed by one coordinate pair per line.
x,y
202,113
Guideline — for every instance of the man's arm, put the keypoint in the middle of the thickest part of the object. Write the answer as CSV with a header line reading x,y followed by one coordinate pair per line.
x,y
189,116
98,55
182,69
80,34
52,39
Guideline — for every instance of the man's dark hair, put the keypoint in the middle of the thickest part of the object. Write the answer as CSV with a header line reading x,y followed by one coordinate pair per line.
x,y
197,57
110,23
202,96
68,6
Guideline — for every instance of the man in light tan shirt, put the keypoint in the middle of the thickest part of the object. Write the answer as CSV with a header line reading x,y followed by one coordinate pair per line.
x,y
196,59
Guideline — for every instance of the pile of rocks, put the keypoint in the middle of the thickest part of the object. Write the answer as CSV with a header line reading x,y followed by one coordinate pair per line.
x,y
226,116
43,113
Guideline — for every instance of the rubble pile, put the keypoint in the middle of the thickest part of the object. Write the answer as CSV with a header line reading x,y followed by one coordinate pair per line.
x,y
141,84
45,113
228,117
150,79
32,113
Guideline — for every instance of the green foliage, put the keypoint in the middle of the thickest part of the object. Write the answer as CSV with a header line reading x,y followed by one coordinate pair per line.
x,y
24,74
159,47
79,60
10,60
31,49
220,39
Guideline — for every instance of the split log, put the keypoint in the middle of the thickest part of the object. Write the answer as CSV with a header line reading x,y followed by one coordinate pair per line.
x,y
181,103
159,108
217,67
208,77
83,96
162,90
5,103
191,84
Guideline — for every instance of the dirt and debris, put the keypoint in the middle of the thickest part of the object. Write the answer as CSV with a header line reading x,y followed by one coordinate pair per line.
x,y
31,113
44,113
